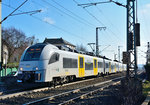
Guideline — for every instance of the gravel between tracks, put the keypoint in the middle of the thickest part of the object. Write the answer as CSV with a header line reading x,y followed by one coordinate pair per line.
x,y
112,95
38,95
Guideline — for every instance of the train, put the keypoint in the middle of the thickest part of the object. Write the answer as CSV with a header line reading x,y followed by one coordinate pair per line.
x,y
47,63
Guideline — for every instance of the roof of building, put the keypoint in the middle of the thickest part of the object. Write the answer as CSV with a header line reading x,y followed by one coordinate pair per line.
x,y
57,41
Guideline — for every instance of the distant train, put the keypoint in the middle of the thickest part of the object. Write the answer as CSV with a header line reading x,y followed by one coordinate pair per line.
x,y
47,63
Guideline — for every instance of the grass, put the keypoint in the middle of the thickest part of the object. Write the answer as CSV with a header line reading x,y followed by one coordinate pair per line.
x,y
146,88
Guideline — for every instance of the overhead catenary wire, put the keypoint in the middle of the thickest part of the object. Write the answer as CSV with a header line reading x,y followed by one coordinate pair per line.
x,y
14,11
142,55
118,38
76,19
105,17
59,28
98,21
40,4
73,13
29,12
142,51
87,22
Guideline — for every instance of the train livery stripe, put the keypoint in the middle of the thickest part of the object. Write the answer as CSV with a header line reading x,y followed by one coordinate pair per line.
x,y
95,66
81,65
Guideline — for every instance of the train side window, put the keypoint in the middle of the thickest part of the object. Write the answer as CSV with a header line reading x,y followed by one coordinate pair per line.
x,y
54,58
95,66
112,66
100,65
107,66
81,62
88,66
69,63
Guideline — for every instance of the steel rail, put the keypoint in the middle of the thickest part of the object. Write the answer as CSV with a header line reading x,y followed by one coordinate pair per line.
x,y
72,91
37,90
86,94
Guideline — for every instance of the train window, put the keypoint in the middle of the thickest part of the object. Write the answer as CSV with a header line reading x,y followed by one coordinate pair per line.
x,y
54,58
95,65
88,66
81,62
117,66
74,63
100,65
33,53
107,66
112,66
69,63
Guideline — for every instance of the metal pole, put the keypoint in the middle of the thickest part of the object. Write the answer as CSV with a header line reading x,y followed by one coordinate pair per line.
x,y
128,3
115,56
135,59
131,46
0,42
119,53
97,48
93,48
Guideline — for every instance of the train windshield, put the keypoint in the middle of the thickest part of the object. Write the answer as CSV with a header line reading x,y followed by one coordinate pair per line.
x,y
33,53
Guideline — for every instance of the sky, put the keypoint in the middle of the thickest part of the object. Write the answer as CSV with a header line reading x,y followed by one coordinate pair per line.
x,y
64,18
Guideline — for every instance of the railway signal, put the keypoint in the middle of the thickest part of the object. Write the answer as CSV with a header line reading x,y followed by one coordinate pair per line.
x,y
126,58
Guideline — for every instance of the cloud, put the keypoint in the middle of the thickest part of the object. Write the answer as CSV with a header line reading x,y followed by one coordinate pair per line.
x,y
48,20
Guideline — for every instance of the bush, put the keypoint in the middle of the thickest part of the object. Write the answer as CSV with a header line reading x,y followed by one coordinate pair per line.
x,y
146,88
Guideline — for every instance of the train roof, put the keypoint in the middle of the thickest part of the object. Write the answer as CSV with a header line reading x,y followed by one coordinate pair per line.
x,y
73,51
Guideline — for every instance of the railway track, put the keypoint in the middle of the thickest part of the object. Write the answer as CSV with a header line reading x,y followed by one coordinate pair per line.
x,y
77,94
28,96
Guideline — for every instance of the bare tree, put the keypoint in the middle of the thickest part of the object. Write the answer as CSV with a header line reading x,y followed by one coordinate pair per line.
x,y
16,40
81,48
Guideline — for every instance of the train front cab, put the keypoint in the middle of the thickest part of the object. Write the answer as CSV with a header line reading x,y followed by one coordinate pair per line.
x,y
31,67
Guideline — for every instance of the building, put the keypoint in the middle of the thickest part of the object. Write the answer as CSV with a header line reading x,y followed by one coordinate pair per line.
x,y
5,52
59,42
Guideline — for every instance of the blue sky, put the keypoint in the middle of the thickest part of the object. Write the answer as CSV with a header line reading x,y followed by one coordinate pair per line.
x,y
63,18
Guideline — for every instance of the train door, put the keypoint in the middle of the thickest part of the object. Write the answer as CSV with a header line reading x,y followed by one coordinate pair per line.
x,y
81,66
104,69
95,67
115,68
109,67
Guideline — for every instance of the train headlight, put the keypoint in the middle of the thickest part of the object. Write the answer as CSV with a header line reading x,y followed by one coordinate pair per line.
x,y
36,68
21,68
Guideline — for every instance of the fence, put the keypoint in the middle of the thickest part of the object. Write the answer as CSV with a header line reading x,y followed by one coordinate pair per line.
x,y
6,71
